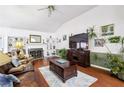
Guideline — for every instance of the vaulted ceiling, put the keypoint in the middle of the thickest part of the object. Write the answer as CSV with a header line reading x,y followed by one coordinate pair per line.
x,y
28,16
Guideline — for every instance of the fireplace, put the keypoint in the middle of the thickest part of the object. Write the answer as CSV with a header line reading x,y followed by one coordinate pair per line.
x,y
36,52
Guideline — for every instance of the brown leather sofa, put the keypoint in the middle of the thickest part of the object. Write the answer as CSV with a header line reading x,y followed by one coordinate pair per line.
x,y
7,67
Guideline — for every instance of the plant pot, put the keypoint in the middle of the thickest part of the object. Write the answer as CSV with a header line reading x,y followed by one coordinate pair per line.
x,y
121,75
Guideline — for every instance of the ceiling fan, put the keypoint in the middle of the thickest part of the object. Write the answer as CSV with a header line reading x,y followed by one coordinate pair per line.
x,y
50,8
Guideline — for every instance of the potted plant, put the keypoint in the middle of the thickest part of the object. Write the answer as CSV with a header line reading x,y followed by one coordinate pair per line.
x,y
63,53
91,32
116,65
122,47
121,74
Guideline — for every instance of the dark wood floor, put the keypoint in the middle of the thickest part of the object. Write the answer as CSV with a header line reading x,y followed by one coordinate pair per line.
x,y
35,79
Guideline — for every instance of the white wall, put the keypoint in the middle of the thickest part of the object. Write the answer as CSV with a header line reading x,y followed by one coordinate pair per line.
x,y
98,16
1,47
5,32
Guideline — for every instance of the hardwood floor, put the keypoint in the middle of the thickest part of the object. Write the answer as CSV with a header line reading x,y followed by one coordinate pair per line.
x,y
104,77
35,79
27,80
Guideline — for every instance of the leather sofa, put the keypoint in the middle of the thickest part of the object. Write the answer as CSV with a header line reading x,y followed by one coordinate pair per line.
x,y
7,67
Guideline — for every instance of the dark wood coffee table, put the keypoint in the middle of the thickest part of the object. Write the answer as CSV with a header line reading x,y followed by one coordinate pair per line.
x,y
64,70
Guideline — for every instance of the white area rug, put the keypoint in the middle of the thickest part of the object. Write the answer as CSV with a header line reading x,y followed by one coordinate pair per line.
x,y
82,79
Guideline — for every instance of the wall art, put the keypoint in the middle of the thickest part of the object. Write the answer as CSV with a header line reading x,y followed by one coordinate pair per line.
x,y
107,29
99,42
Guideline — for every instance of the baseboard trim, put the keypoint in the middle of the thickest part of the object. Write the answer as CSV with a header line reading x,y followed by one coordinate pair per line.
x,y
107,69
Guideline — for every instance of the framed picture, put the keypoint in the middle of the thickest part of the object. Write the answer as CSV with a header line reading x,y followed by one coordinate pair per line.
x,y
59,40
64,37
35,38
12,42
107,29
99,42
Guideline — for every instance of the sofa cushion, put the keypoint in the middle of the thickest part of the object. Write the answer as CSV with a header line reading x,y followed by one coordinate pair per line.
x,y
4,59
17,69
5,68
7,80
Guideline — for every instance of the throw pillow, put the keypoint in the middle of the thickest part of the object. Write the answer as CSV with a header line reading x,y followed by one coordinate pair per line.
x,y
15,61
7,80
13,78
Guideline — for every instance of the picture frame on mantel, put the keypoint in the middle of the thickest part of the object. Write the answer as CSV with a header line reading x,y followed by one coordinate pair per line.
x,y
35,39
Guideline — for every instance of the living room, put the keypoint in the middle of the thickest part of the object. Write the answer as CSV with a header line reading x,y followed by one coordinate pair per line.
x,y
48,32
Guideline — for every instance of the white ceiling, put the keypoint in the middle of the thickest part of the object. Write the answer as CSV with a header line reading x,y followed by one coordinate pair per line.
x,y
28,16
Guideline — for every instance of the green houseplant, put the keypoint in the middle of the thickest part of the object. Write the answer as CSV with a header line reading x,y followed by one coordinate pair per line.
x,y
63,53
116,65
115,39
91,32
122,45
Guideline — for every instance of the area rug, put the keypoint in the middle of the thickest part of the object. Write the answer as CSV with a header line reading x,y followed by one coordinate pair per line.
x,y
82,79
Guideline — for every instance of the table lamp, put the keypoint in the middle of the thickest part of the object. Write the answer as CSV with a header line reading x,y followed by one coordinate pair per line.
x,y
19,45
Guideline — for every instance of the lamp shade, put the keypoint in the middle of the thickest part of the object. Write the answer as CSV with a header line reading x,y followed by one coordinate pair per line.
x,y
19,45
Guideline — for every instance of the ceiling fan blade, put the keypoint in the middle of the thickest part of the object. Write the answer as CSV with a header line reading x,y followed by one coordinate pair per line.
x,y
42,9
